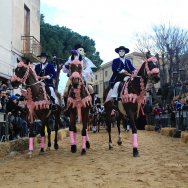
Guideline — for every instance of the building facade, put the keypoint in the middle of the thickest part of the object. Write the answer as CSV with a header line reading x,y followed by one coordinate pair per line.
x,y
19,33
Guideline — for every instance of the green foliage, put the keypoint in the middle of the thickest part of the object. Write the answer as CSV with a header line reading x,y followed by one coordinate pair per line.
x,y
59,41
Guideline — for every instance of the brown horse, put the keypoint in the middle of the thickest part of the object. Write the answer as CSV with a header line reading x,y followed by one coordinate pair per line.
x,y
36,102
79,103
132,97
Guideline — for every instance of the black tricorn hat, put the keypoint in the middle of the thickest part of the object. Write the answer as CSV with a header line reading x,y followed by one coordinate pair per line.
x,y
43,54
122,48
78,46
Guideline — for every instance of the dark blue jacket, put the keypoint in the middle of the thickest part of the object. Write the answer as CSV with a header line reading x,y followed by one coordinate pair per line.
x,y
117,66
48,70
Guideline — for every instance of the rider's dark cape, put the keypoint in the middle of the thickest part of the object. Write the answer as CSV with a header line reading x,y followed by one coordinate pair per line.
x,y
117,66
48,70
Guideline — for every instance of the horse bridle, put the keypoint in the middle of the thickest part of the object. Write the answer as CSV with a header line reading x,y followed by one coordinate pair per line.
x,y
25,77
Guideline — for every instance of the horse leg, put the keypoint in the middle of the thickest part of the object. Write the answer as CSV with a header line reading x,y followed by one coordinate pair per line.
x,y
99,122
85,120
119,142
31,139
57,120
72,130
134,137
87,139
42,144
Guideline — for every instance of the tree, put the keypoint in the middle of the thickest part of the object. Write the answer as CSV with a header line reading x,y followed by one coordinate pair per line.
x,y
173,43
169,43
60,41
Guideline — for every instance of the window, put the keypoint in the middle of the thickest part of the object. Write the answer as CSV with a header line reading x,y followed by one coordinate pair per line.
x,y
95,77
96,89
106,73
26,46
26,21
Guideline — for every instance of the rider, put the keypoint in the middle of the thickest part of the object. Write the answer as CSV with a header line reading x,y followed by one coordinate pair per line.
x,y
122,69
78,53
46,72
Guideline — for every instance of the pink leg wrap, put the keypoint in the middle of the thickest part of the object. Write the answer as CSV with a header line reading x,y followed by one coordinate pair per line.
x,y
134,141
74,135
42,144
87,136
31,139
83,142
71,137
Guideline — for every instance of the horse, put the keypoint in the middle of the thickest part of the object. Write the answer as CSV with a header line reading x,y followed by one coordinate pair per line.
x,y
79,103
37,103
132,97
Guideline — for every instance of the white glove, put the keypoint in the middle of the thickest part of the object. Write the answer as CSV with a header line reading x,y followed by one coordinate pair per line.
x,y
122,71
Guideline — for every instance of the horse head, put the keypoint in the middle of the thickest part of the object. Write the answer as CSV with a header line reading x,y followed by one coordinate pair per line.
x,y
150,70
76,66
20,73
76,79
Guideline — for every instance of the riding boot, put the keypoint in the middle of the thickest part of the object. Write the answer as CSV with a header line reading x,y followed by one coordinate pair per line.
x,y
53,106
115,101
65,101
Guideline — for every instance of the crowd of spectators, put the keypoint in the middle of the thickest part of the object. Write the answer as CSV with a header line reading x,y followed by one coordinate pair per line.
x,y
170,115
15,113
14,109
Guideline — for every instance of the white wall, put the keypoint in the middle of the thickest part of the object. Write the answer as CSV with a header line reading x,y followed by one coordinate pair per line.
x,y
12,28
5,38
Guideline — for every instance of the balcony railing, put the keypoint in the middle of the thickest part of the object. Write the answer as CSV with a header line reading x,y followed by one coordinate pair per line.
x,y
31,47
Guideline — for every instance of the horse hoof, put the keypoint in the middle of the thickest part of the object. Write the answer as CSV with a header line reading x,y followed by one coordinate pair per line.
x,y
41,151
83,152
110,146
135,152
49,145
73,148
119,143
87,144
56,146
30,154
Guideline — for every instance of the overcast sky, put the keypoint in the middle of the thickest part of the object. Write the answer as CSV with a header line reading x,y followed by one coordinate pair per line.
x,y
112,23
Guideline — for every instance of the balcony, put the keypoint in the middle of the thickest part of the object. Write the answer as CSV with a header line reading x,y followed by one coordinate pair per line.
x,y
31,47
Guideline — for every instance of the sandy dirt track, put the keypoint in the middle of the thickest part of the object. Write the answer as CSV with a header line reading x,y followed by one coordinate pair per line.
x,y
163,162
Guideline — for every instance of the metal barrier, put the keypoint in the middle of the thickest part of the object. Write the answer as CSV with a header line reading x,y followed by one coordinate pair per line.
x,y
4,127
180,120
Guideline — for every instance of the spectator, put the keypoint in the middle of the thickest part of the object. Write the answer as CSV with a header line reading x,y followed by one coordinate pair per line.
x,y
4,85
148,112
157,111
17,117
3,100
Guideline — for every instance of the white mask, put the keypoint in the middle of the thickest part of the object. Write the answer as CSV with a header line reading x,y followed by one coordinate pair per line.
x,y
43,60
81,51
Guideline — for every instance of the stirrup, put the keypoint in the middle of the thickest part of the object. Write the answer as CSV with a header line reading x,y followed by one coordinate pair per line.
x,y
53,107
114,101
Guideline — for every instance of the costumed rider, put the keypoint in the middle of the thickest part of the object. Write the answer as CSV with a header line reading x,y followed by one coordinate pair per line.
x,y
46,72
87,73
122,69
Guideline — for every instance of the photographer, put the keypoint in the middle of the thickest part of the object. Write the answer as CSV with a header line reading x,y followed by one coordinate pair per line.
x,y
3,100
17,117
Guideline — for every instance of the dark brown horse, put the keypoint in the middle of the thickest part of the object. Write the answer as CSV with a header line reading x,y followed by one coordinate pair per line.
x,y
79,103
132,97
36,102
